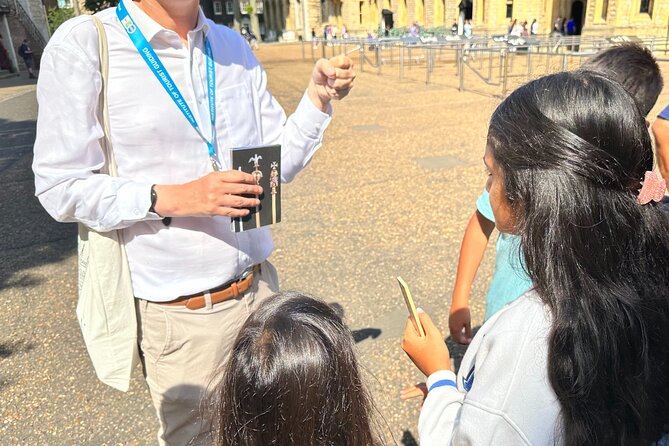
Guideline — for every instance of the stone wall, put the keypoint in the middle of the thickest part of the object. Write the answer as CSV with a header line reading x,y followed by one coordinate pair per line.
x,y
489,16
37,13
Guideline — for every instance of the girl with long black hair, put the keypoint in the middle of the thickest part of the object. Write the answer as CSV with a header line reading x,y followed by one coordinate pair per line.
x,y
583,358
292,379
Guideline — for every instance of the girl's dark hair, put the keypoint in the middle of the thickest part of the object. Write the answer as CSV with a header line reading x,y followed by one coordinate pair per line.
x,y
572,149
292,379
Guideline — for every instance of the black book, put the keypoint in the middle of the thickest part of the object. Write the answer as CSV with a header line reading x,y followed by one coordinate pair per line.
x,y
264,163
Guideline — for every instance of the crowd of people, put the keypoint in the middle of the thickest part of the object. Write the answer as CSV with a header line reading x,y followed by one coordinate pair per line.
x,y
575,346
521,29
565,27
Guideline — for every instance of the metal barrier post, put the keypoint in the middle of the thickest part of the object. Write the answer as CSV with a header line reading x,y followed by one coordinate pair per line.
x,y
511,59
427,66
548,60
312,51
505,65
529,63
489,65
461,71
303,55
456,60
564,61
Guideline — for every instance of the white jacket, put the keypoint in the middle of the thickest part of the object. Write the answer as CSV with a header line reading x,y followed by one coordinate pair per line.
x,y
503,396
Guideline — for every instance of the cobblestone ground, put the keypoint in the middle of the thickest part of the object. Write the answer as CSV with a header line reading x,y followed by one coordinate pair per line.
x,y
388,194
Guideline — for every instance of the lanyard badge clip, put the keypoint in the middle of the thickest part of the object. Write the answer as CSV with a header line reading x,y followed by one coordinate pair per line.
x,y
215,164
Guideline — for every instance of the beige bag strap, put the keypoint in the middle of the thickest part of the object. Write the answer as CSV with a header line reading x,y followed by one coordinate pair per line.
x,y
105,141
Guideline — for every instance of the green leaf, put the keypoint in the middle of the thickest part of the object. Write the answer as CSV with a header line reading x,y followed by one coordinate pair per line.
x,y
56,16
99,5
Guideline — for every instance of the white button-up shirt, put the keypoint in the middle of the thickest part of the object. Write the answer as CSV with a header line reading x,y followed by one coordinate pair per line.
x,y
154,144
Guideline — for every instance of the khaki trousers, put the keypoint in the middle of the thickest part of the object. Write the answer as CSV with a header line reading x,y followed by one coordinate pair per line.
x,y
181,349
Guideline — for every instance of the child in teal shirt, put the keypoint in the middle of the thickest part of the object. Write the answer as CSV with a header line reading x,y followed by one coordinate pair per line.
x,y
509,279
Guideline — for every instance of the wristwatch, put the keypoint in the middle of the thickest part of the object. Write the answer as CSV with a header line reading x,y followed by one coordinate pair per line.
x,y
154,200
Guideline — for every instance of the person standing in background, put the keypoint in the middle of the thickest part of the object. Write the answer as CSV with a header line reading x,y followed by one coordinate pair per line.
x,y
27,55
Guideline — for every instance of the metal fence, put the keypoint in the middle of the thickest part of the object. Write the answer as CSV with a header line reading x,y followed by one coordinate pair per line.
x,y
487,64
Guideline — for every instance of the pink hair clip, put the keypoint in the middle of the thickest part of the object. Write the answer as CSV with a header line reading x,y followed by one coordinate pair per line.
x,y
653,188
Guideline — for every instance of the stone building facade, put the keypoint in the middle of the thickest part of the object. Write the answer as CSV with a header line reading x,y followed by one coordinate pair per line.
x,y
294,19
592,17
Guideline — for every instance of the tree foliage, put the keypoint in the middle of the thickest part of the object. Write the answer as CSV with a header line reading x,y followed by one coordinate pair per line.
x,y
56,16
99,5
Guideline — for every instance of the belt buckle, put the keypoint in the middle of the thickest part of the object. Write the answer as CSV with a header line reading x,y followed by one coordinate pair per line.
x,y
247,273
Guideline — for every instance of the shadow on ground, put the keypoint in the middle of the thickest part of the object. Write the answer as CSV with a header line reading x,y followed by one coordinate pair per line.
x,y
29,237
457,351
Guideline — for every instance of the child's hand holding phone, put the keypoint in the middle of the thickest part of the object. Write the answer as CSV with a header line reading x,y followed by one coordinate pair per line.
x,y
423,341
428,352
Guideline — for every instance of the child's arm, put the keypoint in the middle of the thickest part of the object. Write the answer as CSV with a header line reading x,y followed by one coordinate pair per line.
x,y
661,133
473,247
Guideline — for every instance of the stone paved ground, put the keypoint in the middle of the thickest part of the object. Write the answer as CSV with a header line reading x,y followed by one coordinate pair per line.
x,y
388,194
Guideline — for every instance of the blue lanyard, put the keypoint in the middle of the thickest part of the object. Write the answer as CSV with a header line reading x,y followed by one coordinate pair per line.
x,y
158,69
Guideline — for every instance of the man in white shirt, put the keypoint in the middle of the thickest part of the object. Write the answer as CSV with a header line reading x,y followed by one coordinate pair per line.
x,y
182,265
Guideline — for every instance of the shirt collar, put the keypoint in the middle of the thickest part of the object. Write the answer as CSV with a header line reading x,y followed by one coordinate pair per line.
x,y
150,27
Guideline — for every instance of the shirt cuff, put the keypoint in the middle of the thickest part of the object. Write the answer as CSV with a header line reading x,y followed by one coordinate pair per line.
x,y
134,202
439,376
310,119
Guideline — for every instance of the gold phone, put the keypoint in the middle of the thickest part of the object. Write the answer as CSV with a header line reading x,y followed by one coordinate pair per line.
x,y
408,300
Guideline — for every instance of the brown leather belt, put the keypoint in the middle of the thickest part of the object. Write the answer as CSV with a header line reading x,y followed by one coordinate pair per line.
x,y
219,294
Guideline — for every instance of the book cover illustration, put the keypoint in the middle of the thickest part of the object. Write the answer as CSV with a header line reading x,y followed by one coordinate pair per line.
x,y
264,163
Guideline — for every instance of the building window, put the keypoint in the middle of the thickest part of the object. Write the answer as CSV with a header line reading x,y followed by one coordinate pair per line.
x,y
260,7
646,7
229,9
605,9
218,8
362,8
509,9
64,3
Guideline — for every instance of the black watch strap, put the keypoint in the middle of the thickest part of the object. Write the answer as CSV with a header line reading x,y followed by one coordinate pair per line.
x,y
154,200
